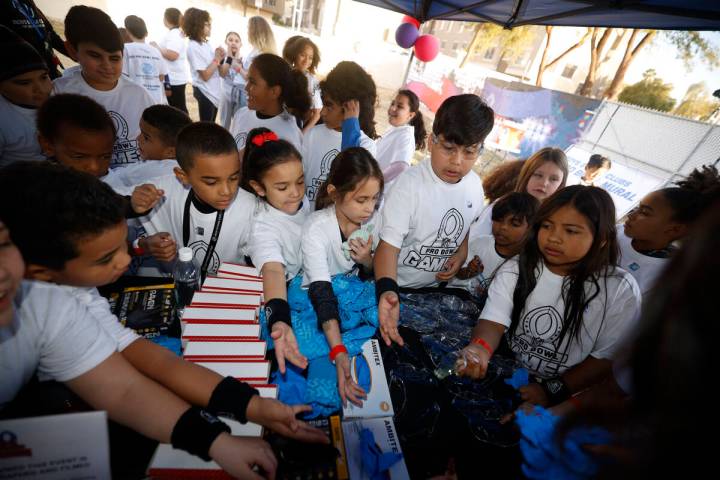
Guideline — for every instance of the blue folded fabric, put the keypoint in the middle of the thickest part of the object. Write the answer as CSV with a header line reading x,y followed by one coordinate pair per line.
x,y
375,462
520,378
171,343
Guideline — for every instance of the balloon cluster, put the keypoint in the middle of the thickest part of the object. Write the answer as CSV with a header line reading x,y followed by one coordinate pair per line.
x,y
408,35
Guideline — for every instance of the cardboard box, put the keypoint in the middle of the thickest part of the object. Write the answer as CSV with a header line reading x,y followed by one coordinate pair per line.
x,y
234,270
198,330
386,438
245,285
250,371
367,370
219,313
236,300
225,350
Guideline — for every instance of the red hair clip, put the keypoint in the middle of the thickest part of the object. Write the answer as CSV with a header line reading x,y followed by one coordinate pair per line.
x,y
260,139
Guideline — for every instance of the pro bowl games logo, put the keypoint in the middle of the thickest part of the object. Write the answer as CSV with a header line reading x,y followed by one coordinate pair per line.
x,y
199,249
240,140
432,258
125,150
538,341
325,164
9,446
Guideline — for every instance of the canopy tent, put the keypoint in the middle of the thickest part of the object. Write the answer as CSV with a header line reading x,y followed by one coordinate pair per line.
x,y
651,14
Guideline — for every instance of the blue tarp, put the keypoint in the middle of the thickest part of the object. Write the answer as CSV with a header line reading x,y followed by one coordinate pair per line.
x,y
651,14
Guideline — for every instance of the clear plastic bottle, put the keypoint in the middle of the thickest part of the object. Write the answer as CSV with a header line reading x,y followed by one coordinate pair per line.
x,y
187,279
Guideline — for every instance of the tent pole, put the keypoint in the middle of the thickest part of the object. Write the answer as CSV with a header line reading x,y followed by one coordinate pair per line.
x,y
407,70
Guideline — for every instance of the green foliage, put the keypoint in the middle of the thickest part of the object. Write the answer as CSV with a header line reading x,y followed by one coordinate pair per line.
x,y
697,103
693,46
650,92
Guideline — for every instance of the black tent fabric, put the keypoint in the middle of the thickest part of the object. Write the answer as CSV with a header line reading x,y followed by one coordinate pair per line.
x,y
651,14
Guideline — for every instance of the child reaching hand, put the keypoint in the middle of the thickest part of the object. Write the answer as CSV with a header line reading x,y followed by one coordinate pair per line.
x,y
345,216
272,170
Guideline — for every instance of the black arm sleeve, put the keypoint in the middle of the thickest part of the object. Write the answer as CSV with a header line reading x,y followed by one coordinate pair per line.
x,y
324,302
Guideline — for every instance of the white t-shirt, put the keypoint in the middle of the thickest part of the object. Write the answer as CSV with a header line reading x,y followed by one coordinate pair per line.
x,y
126,179
322,252
232,242
99,309
320,147
483,225
18,133
248,59
199,56
143,64
482,247
276,237
645,269
397,145
177,69
608,319
284,126
428,219
125,103
51,333
314,90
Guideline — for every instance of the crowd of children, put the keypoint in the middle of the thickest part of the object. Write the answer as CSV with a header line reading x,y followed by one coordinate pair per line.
x,y
103,164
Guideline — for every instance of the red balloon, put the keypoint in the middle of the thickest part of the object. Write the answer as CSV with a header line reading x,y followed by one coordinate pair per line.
x,y
409,19
427,48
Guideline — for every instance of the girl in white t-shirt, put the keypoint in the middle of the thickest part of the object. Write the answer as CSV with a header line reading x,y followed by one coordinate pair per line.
x,y
204,62
339,238
272,170
544,173
395,149
233,73
563,305
277,99
304,56
662,218
173,48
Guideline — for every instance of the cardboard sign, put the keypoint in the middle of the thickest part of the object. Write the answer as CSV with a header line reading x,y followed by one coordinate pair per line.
x,y
50,448
367,371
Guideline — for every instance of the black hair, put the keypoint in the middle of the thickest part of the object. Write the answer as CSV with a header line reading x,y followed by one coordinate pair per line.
x,y
417,122
295,46
502,179
464,120
520,205
293,84
596,205
48,207
88,24
193,24
136,26
694,194
351,167
74,110
598,161
348,81
205,138
257,160
168,120
173,17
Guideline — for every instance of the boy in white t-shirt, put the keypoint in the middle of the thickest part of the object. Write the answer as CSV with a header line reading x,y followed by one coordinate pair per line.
x,y
428,212
94,42
143,63
24,86
78,241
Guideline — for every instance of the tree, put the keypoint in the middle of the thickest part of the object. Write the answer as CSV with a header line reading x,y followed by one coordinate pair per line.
x,y
510,41
697,103
650,92
597,48
544,66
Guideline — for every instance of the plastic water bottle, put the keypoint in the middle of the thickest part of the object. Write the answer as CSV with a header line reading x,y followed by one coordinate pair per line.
x,y
187,279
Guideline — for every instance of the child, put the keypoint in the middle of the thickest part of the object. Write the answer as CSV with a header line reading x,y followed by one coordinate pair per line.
x,y
204,62
173,48
24,86
142,63
563,305
231,70
595,168
541,175
261,38
512,217
84,224
203,207
349,96
273,92
272,170
395,149
95,43
663,217
345,204
304,56
428,212
502,179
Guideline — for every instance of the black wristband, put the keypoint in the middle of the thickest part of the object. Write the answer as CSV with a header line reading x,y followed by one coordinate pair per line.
x,y
230,399
385,284
324,302
196,430
277,310
556,390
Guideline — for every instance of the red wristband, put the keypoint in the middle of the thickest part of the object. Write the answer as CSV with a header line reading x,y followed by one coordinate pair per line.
x,y
337,350
484,344
137,249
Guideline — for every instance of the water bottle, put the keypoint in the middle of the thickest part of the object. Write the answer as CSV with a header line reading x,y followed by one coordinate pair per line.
x,y
187,279
167,86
